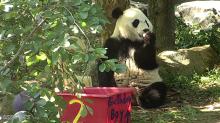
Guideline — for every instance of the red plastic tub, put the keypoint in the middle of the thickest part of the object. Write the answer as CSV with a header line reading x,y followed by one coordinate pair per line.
x,y
109,104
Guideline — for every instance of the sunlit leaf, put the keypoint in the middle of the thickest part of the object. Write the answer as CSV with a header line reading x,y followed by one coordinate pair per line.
x,y
83,24
41,102
84,111
90,110
42,56
102,67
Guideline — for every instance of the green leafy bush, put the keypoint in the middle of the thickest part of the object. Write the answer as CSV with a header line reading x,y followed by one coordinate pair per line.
x,y
187,37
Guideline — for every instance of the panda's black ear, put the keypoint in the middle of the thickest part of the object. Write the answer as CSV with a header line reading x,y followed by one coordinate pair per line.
x,y
116,13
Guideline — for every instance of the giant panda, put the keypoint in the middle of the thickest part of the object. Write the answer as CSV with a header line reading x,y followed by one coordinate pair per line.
x,y
133,43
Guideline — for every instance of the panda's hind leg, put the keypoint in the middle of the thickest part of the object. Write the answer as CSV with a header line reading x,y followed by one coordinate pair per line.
x,y
153,95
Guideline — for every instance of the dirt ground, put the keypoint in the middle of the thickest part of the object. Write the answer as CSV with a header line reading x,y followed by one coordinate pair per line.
x,y
180,109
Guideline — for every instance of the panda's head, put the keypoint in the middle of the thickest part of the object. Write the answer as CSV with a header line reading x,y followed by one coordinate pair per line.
x,y
131,24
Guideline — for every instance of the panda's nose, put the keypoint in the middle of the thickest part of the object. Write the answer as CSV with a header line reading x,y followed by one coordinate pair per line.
x,y
146,30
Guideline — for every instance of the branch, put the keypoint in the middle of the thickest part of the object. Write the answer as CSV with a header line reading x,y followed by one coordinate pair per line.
x,y
87,39
22,46
81,30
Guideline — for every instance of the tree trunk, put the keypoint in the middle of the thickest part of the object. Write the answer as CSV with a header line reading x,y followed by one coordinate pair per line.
x,y
108,6
162,15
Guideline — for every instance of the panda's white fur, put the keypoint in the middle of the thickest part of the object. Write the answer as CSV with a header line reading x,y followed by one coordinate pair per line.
x,y
124,28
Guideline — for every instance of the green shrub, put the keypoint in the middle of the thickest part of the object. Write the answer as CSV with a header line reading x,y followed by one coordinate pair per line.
x,y
187,36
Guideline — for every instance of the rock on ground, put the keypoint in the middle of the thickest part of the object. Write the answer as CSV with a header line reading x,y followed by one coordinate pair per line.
x,y
187,61
202,13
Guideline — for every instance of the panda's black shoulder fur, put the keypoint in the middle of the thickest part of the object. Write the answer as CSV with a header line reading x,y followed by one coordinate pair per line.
x,y
120,47
144,56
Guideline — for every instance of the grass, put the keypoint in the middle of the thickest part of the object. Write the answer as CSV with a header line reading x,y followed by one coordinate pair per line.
x,y
193,99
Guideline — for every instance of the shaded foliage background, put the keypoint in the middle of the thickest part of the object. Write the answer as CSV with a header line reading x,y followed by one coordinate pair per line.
x,y
187,36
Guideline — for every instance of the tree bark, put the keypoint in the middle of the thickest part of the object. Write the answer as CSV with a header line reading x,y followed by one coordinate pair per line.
x,y
162,15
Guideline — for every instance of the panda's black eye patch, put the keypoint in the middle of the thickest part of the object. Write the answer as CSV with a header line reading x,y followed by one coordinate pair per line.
x,y
135,23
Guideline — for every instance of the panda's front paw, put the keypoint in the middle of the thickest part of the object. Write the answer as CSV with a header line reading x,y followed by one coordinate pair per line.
x,y
149,39
152,38
146,38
